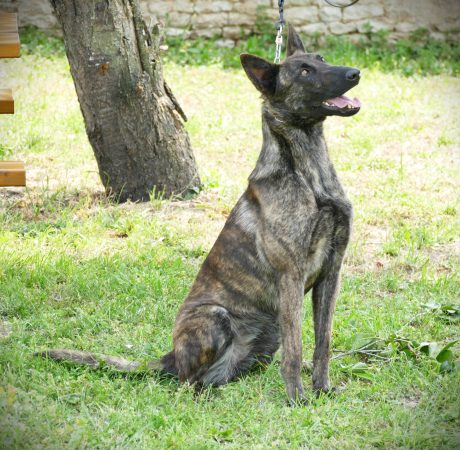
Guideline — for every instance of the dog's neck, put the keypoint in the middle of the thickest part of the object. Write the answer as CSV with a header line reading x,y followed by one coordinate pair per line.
x,y
299,149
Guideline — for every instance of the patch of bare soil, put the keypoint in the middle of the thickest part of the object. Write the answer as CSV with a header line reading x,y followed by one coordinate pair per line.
x,y
440,254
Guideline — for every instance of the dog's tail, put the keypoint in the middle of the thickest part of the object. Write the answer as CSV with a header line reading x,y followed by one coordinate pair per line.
x,y
96,361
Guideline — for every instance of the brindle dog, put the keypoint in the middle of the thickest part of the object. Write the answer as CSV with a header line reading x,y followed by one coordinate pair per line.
x,y
286,235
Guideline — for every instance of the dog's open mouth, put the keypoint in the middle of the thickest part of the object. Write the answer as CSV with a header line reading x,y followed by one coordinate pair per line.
x,y
342,103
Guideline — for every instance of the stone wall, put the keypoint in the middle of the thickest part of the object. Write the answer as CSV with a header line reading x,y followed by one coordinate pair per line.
x,y
232,19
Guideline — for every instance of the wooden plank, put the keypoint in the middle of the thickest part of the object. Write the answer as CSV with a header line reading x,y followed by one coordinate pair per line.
x,y
10,46
12,173
11,165
6,101
8,21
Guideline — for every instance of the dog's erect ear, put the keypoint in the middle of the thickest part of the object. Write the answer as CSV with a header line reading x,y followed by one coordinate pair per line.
x,y
294,43
261,72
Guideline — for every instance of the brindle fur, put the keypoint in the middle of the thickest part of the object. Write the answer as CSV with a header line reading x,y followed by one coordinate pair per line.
x,y
286,235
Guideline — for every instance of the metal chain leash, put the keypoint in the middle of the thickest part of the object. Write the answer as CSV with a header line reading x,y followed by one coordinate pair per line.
x,y
279,33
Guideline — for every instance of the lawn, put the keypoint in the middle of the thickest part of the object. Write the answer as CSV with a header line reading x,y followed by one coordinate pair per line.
x,y
79,271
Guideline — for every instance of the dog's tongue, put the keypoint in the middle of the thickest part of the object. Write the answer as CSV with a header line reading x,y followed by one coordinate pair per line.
x,y
343,101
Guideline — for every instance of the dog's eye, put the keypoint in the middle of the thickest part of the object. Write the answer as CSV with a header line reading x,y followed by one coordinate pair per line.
x,y
305,72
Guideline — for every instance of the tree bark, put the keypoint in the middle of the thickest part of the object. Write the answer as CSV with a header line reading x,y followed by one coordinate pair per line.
x,y
132,119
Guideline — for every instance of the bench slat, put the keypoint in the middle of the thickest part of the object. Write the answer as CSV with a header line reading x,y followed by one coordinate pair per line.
x,y
6,101
10,45
12,173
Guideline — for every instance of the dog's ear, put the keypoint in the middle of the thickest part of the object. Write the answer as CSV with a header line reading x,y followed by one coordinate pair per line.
x,y
294,43
261,72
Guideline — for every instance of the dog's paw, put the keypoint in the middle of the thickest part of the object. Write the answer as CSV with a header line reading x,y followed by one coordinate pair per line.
x,y
324,392
296,394
298,401
328,392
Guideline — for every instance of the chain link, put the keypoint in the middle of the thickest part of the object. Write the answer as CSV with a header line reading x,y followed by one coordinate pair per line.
x,y
279,43
279,32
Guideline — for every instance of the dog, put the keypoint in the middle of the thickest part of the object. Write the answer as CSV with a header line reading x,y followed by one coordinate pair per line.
x,y
286,235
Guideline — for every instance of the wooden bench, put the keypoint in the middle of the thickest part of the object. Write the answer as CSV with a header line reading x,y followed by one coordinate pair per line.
x,y
9,37
9,48
12,173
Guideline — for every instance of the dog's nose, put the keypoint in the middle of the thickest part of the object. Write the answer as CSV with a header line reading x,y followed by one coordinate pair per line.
x,y
352,75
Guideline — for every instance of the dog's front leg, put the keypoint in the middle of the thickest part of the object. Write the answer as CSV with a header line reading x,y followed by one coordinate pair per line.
x,y
324,296
291,300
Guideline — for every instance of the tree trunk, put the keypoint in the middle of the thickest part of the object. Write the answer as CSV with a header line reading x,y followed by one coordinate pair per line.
x,y
132,119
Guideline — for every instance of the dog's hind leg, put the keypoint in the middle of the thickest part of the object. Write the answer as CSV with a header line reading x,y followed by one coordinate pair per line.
x,y
201,337
167,364
250,344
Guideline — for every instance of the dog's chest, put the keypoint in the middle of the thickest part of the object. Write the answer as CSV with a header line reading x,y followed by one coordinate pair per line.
x,y
326,210
317,174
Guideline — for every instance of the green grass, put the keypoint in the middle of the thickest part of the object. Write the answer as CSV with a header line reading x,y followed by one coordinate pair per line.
x,y
79,271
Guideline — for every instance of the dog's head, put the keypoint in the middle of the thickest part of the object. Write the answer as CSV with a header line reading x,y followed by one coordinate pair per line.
x,y
304,87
